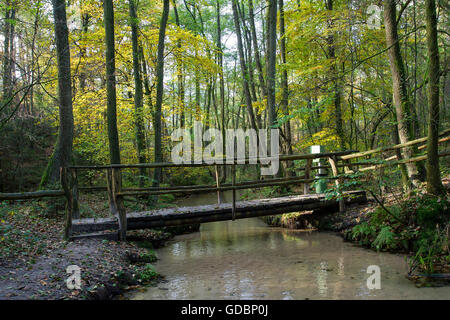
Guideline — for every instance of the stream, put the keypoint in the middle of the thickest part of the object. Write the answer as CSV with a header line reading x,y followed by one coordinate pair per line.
x,y
246,259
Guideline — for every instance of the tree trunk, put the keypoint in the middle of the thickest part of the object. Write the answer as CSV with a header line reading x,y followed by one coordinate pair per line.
x,y
8,61
62,155
111,112
262,83
336,84
245,76
180,77
160,91
284,105
221,85
33,48
434,182
400,95
271,60
85,17
138,92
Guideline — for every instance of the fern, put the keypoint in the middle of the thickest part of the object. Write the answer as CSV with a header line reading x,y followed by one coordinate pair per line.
x,y
386,238
362,231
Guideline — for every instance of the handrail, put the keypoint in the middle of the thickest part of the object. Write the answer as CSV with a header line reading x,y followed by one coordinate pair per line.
x,y
397,146
31,195
237,161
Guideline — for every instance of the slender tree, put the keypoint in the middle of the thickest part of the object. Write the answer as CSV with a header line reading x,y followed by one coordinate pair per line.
x,y
111,110
334,73
400,94
244,70
138,91
434,183
8,61
271,59
262,83
62,154
160,90
284,103
221,82
180,71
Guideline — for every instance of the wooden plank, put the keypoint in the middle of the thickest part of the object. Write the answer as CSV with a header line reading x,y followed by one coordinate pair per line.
x,y
334,168
286,181
121,213
115,202
32,195
206,213
69,203
96,235
398,146
216,168
224,162
307,176
75,193
415,159
439,141
233,210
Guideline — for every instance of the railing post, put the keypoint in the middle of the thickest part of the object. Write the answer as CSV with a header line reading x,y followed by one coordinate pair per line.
x,y
69,203
307,175
348,168
75,193
233,182
333,162
114,180
219,201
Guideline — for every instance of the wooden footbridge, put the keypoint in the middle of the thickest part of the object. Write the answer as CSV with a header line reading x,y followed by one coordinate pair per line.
x,y
116,226
122,221
82,228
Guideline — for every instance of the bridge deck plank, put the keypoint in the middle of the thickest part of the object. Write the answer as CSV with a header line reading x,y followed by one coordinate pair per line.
x,y
216,212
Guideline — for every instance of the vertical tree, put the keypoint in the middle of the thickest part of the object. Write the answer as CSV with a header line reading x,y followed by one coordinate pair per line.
x,y
284,104
138,91
251,17
160,90
111,109
244,70
434,183
400,94
271,60
334,74
62,154
221,81
8,61
180,71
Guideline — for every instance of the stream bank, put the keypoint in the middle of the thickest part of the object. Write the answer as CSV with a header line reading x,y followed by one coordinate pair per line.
x,y
34,257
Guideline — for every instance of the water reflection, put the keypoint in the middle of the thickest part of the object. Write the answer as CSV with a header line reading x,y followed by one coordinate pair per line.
x,y
245,259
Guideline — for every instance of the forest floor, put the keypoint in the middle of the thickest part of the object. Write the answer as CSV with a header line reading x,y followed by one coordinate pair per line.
x,y
34,257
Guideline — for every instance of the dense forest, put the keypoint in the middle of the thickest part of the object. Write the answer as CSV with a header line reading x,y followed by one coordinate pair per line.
x,y
91,83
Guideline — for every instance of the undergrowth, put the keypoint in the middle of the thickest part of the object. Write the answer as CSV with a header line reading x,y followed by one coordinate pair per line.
x,y
418,225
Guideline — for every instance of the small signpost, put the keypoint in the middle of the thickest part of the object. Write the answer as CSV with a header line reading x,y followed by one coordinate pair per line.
x,y
320,185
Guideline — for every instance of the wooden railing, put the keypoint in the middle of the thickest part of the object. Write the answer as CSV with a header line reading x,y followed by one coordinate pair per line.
x,y
116,192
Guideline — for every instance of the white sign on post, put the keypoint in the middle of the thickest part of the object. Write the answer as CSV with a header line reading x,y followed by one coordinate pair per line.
x,y
316,149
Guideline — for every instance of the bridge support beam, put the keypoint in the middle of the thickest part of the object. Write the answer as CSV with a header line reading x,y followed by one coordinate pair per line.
x,y
334,168
116,206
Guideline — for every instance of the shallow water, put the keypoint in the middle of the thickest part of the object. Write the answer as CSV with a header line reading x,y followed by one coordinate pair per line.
x,y
246,259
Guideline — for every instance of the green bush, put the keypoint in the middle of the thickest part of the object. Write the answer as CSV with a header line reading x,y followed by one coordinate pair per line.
x,y
385,239
419,223
147,274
